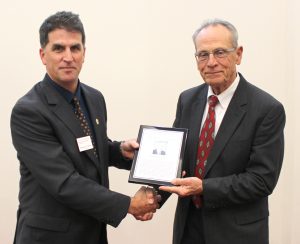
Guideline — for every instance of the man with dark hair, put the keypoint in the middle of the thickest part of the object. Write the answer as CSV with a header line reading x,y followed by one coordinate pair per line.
x,y
59,132
61,20
234,150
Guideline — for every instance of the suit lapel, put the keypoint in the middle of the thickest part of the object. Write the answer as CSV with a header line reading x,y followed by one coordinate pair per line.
x,y
97,121
64,112
232,118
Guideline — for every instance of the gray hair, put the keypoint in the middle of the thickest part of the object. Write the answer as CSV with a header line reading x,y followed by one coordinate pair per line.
x,y
214,22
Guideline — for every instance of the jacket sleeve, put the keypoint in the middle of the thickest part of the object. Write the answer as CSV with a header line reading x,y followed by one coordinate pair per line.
x,y
45,161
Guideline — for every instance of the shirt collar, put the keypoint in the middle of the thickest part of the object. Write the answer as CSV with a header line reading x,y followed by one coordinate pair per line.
x,y
64,92
225,97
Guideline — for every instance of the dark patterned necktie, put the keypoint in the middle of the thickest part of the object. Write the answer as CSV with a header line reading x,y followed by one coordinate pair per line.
x,y
83,123
206,141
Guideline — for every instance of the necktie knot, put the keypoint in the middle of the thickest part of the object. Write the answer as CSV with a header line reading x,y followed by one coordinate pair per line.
x,y
77,109
75,101
213,101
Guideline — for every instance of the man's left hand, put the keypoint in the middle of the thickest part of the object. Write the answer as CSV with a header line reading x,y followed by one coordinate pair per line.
x,y
184,187
128,148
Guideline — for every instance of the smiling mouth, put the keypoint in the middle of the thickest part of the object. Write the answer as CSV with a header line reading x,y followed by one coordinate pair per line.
x,y
213,73
67,68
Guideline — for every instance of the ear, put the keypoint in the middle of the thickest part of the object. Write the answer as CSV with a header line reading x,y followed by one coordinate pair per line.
x,y
42,56
197,64
84,50
239,54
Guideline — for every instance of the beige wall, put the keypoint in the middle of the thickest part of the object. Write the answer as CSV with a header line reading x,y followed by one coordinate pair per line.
x,y
140,55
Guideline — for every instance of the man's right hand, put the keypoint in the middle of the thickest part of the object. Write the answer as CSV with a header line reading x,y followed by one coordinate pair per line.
x,y
144,203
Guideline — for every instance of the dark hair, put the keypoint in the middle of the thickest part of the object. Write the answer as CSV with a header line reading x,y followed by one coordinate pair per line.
x,y
61,20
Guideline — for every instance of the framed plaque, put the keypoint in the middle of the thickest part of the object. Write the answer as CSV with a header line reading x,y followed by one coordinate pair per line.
x,y
159,157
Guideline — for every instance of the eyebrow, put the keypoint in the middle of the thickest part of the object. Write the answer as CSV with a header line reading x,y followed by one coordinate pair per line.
x,y
78,45
57,46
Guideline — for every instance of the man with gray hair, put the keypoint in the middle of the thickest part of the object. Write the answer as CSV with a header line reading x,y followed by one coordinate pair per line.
x,y
234,149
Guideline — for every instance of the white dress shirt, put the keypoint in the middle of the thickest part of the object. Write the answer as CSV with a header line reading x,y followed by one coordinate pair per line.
x,y
224,100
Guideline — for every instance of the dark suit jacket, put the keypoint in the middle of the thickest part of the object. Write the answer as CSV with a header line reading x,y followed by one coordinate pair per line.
x,y
243,166
64,196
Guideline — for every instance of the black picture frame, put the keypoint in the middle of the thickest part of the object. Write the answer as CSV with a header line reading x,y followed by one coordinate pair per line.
x,y
159,157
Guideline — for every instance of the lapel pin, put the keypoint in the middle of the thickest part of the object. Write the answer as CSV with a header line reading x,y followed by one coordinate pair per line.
x,y
97,121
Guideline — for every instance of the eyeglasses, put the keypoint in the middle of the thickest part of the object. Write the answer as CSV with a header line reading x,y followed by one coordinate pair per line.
x,y
218,53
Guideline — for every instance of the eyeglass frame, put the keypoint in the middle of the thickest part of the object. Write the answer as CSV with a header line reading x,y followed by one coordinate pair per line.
x,y
213,52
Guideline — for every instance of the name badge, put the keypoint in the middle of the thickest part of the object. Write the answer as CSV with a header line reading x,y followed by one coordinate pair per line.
x,y
84,143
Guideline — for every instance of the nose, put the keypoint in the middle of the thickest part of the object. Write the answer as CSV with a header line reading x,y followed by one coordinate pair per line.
x,y
212,61
68,56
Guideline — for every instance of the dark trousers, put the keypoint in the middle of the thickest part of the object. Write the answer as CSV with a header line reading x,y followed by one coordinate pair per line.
x,y
193,232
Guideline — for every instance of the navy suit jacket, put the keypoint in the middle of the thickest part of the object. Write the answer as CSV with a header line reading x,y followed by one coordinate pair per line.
x,y
64,195
242,168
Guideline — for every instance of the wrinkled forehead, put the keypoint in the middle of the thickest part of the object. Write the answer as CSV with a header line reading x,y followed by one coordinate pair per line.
x,y
65,36
214,36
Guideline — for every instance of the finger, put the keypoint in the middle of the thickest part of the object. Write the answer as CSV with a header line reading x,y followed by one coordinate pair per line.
x,y
183,173
131,145
150,195
143,188
158,198
151,192
149,217
171,189
141,191
145,217
164,188
135,144
157,206
179,181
